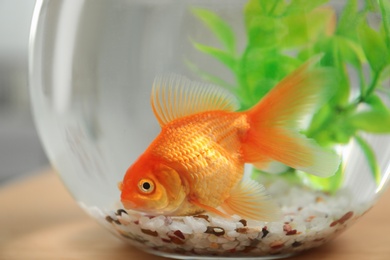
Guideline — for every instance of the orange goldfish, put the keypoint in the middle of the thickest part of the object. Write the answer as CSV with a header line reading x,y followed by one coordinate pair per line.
x,y
196,163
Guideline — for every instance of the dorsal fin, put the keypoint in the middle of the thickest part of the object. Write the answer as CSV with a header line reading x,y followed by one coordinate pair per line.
x,y
175,96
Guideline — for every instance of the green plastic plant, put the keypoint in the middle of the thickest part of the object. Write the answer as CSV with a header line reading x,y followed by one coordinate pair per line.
x,y
281,35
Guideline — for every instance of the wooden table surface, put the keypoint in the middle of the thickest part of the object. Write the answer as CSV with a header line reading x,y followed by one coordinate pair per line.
x,y
40,220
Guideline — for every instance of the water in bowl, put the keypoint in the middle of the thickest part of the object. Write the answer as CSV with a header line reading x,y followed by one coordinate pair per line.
x,y
92,66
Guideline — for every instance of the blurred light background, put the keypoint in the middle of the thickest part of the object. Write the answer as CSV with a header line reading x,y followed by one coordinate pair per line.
x,y
20,150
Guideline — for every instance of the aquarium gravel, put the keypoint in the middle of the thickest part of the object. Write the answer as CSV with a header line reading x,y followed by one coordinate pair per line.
x,y
309,220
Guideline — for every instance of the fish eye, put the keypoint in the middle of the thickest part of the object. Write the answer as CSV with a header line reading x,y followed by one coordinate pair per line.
x,y
146,186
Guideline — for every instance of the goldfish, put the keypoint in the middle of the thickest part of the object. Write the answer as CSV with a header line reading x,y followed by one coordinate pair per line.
x,y
196,163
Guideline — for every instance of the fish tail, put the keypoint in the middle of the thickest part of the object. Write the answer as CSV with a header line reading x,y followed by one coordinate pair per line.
x,y
274,123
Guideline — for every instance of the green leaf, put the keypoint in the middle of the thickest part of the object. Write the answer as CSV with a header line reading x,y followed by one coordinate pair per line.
x,y
372,5
385,11
305,28
218,26
273,8
371,158
256,78
265,32
261,88
263,29
319,120
350,20
259,77
374,48
341,131
377,104
372,121
333,58
252,10
341,98
348,15
302,6
273,65
255,8
350,51
385,73
224,57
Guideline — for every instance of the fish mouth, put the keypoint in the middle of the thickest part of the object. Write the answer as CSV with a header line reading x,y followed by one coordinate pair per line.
x,y
129,205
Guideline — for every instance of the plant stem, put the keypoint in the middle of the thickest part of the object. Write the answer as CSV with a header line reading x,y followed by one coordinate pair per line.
x,y
386,22
362,80
372,86
242,80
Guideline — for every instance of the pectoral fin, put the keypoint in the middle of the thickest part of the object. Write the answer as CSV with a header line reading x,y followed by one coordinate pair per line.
x,y
250,200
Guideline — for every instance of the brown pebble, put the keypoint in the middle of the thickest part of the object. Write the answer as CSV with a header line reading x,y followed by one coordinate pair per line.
x,y
276,245
319,199
109,219
244,222
179,234
119,212
202,216
346,216
296,244
243,230
343,219
218,231
149,232
176,240
265,232
291,232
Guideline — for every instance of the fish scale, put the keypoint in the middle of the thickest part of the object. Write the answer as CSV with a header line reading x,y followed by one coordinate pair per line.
x,y
207,147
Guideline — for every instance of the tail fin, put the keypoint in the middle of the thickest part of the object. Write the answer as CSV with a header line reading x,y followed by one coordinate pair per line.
x,y
273,133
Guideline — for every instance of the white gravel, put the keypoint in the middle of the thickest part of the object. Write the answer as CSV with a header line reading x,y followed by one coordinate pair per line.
x,y
310,218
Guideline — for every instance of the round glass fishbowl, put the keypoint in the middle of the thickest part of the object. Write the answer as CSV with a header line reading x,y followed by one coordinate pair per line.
x,y
283,142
